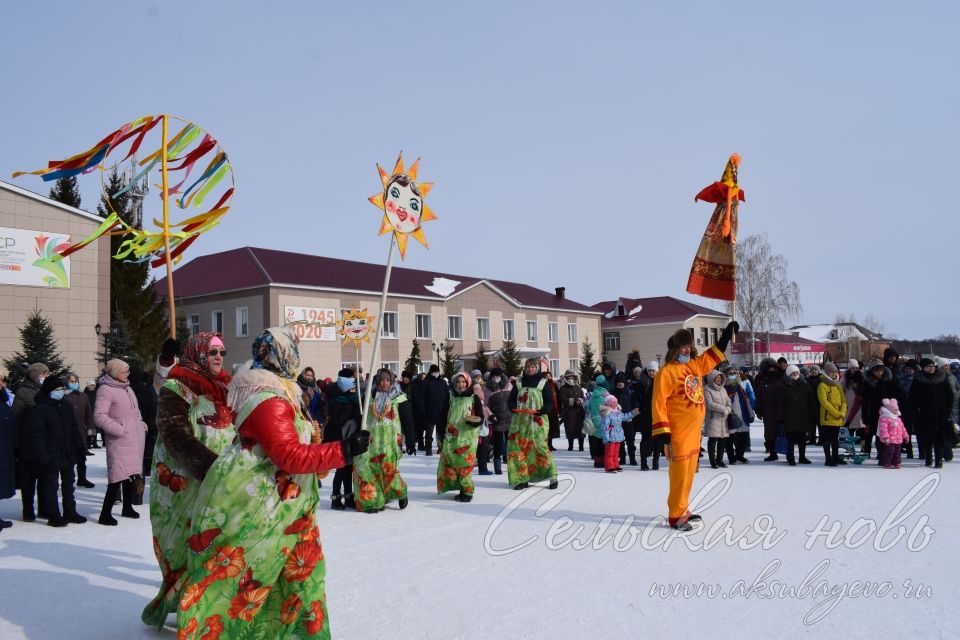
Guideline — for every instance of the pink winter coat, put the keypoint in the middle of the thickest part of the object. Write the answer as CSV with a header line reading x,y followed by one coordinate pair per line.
x,y
891,428
118,414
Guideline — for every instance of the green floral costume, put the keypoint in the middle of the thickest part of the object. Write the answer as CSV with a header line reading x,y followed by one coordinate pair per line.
x,y
376,474
173,498
459,453
528,456
256,566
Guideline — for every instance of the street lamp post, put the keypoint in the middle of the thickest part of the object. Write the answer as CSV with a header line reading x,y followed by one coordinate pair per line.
x,y
658,358
437,349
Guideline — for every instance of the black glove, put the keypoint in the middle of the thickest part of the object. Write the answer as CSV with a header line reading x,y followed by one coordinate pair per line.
x,y
357,444
663,440
170,349
727,335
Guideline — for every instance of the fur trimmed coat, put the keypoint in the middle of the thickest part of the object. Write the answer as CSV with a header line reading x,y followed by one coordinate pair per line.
x,y
117,413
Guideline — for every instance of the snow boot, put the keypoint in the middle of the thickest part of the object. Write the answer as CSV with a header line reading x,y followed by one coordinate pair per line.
x,y
403,503
773,457
643,464
521,486
349,501
336,502
56,521
633,459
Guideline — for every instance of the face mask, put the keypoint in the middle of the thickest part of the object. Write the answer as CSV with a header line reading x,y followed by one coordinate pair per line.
x,y
74,386
683,359
40,380
345,384
56,395
731,378
496,379
435,374
835,376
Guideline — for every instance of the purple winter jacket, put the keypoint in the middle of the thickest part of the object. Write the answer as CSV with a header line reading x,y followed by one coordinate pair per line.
x,y
118,414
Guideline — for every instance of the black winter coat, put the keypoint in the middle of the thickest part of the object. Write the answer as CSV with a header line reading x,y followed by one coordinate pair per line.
x,y
814,382
434,398
643,400
872,393
931,402
767,389
56,443
342,406
415,392
7,426
498,401
798,407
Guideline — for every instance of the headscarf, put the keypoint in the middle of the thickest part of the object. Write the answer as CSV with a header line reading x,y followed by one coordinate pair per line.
x,y
193,371
114,367
276,351
385,397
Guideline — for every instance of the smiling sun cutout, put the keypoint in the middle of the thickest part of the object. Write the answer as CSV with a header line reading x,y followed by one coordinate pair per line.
x,y
402,204
355,326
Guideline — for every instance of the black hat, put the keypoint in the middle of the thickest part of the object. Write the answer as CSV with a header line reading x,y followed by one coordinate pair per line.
x,y
926,362
434,368
496,371
346,372
51,383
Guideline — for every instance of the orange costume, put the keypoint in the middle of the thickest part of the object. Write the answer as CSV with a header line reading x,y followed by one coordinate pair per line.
x,y
678,411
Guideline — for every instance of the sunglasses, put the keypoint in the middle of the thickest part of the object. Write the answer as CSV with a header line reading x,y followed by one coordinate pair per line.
x,y
217,352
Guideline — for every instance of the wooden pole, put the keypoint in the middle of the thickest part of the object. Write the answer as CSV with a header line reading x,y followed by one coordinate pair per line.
x,y
376,338
166,229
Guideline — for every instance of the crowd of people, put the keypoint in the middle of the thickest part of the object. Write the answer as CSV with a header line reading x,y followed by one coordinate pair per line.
x,y
237,462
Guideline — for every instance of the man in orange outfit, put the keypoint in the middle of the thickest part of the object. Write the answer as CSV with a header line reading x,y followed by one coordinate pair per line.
x,y
678,410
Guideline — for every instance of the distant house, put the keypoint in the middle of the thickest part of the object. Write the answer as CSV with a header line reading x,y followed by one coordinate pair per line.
x,y
749,349
844,340
242,291
645,324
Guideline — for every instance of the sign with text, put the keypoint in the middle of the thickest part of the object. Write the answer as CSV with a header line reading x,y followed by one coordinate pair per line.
x,y
29,258
312,323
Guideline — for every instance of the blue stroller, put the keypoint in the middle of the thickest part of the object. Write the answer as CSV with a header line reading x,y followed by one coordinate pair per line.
x,y
849,448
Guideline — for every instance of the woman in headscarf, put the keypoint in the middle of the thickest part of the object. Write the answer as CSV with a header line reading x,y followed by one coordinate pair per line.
x,y
256,567
376,476
194,425
463,416
117,413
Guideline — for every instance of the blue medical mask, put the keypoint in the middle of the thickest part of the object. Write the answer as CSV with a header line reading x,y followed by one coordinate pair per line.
x,y
56,395
345,384
731,378
74,386
683,359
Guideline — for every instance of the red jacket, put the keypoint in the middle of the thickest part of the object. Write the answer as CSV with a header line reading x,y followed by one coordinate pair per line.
x,y
271,426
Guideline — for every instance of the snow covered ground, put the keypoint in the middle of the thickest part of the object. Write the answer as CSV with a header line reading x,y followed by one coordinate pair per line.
x,y
503,566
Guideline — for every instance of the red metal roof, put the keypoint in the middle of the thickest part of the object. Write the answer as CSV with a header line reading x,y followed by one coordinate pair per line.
x,y
250,267
652,311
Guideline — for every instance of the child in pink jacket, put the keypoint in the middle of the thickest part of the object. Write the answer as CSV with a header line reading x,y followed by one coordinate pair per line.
x,y
891,432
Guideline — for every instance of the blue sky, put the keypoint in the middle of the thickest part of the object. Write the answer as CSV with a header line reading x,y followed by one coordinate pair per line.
x,y
566,140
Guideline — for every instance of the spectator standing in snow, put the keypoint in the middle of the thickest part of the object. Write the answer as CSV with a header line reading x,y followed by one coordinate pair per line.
x,y
611,421
7,461
833,412
797,411
571,408
892,433
27,462
739,439
768,387
83,419
497,394
715,420
931,400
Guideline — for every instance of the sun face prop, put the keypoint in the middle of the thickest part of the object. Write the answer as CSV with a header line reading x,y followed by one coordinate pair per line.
x,y
355,326
402,204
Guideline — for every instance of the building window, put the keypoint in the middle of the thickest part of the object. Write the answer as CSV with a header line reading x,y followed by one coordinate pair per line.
x,y
243,316
704,340
555,369
388,324
553,332
611,341
507,330
575,366
391,366
713,335
483,329
425,367
572,333
424,326
351,365
194,325
531,330
454,328
621,311
216,321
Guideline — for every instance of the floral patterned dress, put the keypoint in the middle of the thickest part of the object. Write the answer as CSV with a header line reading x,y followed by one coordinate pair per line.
x,y
256,566
376,475
173,498
459,454
528,456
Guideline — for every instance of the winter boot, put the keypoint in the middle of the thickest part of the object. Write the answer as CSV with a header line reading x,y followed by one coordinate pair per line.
x,y
403,503
71,516
803,453
643,464
128,498
106,517
569,444
56,520
633,459
712,452
349,501
553,484
581,443
336,502
909,449
521,486
773,457
497,466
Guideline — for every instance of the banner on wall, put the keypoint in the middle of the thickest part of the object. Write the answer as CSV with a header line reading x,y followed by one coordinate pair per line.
x,y
27,258
311,323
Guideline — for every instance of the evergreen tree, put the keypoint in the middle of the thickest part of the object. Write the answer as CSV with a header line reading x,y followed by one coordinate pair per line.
x,y
510,359
117,343
413,362
66,191
588,367
37,344
481,357
449,364
133,299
